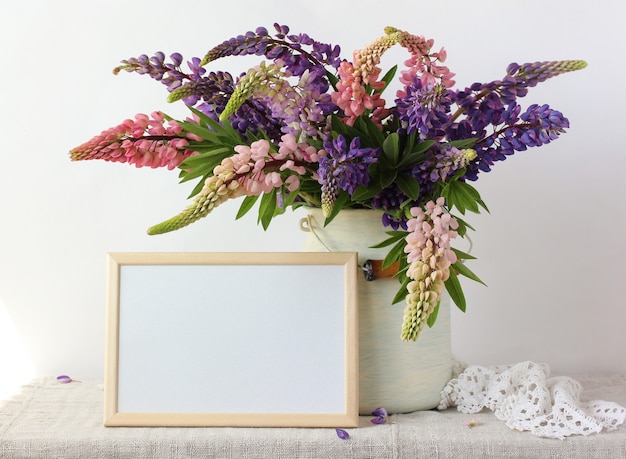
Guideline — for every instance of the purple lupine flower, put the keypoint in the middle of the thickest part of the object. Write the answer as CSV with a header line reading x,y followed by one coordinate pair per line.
x,y
537,126
345,167
444,161
380,416
425,109
533,73
390,200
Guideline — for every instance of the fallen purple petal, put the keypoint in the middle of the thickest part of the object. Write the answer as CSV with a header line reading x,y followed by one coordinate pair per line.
x,y
378,420
380,412
342,434
64,379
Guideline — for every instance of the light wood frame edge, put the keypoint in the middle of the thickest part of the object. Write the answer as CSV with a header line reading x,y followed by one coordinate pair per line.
x,y
350,417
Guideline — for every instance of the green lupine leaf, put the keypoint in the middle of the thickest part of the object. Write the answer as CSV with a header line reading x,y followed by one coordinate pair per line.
x,y
463,270
201,171
463,255
453,286
432,318
267,208
362,193
416,154
391,148
395,236
201,131
342,128
409,186
402,291
332,79
207,148
374,133
225,129
387,177
247,204
340,201
387,78
196,189
394,254
461,195
463,143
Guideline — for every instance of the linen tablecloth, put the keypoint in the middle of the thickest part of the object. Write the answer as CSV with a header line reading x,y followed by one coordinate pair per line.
x,y
50,420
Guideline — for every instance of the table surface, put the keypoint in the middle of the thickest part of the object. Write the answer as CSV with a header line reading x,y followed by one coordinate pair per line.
x,y
52,420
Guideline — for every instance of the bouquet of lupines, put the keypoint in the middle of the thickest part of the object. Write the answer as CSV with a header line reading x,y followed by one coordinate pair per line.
x,y
308,128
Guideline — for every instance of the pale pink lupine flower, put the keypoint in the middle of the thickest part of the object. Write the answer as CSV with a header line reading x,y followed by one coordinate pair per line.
x,y
429,256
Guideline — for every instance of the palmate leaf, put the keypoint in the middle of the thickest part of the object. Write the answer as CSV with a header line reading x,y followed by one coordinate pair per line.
x,y
222,129
203,164
463,196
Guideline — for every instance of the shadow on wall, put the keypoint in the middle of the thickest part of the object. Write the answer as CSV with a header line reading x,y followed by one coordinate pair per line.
x,y
15,362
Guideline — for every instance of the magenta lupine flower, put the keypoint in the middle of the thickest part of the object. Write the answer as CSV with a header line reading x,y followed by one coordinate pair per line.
x,y
144,141
429,256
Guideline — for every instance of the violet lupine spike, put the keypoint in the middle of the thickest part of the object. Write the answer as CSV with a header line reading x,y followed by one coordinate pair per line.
x,y
157,68
260,43
536,72
425,109
250,43
537,126
345,167
540,125
513,86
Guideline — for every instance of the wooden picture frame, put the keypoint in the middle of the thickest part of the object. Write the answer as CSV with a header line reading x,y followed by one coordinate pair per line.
x,y
231,339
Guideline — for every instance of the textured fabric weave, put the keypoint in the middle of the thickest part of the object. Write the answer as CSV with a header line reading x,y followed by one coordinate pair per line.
x,y
48,420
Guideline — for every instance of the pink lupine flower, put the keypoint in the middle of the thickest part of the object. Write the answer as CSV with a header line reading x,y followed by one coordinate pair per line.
x,y
429,256
145,142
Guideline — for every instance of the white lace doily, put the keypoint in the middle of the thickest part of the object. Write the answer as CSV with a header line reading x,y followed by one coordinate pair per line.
x,y
525,397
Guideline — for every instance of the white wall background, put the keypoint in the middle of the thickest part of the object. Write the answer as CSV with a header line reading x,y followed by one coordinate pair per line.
x,y
552,250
